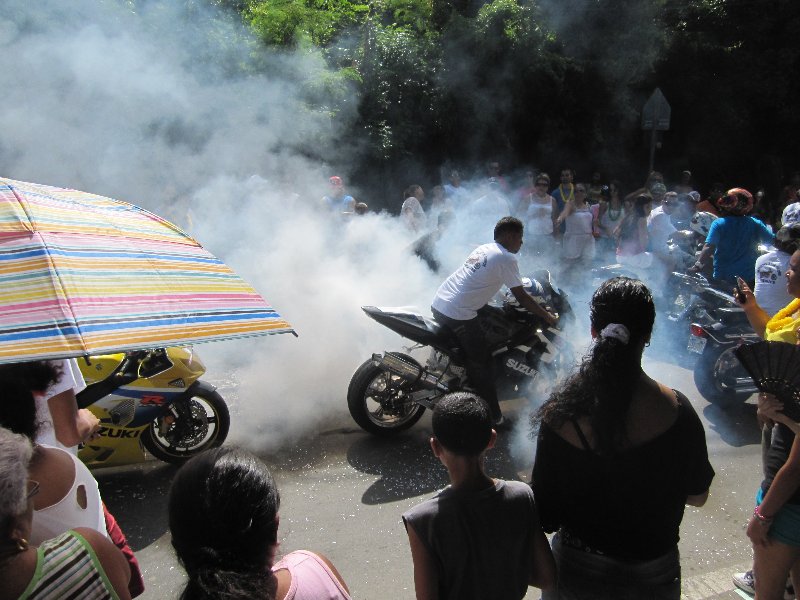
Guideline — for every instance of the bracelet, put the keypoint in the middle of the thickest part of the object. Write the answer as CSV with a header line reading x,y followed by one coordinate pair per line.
x,y
765,520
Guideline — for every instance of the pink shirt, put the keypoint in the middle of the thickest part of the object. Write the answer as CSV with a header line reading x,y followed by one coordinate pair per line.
x,y
312,579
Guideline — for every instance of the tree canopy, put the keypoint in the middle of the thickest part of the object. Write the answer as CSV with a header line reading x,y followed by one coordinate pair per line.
x,y
412,86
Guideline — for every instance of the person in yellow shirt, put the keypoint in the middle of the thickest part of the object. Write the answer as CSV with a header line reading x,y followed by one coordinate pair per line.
x,y
783,326
774,528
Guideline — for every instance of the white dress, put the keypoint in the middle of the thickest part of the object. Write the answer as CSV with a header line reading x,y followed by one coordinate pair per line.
x,y
538,216
578,238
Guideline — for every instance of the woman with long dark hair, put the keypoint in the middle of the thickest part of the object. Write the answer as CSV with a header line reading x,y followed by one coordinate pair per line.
x,y
223,516
619,455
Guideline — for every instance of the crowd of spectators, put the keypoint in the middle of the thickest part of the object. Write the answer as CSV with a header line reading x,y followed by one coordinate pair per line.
x,y
619,454
592,221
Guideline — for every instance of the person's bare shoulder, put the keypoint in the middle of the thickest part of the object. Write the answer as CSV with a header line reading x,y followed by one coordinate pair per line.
x,y
653,411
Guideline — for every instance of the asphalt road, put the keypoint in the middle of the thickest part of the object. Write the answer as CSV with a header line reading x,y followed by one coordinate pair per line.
x,y
343,492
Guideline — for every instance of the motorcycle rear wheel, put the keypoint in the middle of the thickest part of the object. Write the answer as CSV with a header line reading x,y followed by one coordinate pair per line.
x,y
378,400
714,366
203,423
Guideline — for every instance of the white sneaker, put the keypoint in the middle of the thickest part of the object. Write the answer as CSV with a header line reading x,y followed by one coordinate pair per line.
x,y
745,582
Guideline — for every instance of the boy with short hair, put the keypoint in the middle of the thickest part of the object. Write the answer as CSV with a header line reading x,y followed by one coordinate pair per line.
x,y
479,537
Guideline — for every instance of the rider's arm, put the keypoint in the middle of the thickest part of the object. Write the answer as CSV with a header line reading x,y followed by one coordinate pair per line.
x,y
531,306
705,253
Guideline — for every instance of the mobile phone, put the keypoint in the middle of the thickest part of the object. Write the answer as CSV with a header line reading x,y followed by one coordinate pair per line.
x,y
740,297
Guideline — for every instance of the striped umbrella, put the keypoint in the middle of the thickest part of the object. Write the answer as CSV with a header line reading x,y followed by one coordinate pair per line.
x,y
82,274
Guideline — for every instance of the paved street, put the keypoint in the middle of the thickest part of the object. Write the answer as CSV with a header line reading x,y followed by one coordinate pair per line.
x,y
343,492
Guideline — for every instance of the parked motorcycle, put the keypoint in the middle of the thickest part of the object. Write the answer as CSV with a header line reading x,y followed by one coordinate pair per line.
x,y
390,391
154,400
689,298
719,376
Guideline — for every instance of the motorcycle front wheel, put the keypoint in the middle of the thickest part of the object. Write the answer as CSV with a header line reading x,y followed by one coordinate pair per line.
x,y
716,373
202,422
378,400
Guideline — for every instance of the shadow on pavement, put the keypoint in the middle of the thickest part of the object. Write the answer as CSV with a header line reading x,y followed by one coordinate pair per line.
x,y
735,425
406,466
137,497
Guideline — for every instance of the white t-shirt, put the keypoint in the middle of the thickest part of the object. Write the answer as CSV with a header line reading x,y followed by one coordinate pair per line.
x,y
485,271
791,214
71,379
413,214
659,228
770,289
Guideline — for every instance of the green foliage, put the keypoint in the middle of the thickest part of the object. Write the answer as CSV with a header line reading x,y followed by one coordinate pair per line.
x,y
502,20
285,22
408,14
398,94
547,81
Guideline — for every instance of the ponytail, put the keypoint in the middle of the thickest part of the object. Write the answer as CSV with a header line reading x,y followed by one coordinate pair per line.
x,y
622,315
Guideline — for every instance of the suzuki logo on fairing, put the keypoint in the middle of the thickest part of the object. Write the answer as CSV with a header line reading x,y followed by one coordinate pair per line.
x,y
521,367
119,433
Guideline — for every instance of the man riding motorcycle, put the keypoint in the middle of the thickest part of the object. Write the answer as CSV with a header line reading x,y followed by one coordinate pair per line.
x,y
470,288
733,239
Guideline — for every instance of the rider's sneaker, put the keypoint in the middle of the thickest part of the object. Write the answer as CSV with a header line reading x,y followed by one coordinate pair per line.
x,y
745,582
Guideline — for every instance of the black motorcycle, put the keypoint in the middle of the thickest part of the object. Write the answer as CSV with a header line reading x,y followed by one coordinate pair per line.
x,y
719,376
691,298
389,392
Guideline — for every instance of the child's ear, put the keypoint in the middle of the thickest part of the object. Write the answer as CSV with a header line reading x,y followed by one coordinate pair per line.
x,y
436,447
492,439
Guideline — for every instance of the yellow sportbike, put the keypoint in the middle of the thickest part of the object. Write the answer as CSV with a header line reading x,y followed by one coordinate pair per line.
x,y
153,400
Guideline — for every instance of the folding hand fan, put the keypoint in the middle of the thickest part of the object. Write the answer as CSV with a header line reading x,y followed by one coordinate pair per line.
x,y
775,369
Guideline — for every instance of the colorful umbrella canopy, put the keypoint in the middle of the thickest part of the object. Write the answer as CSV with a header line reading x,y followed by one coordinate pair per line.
x,y
83,274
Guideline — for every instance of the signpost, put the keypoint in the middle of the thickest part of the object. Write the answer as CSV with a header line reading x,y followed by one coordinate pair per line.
x,y
655,117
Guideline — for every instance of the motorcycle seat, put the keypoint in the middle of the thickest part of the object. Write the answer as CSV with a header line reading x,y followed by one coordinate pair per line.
x,y
412,325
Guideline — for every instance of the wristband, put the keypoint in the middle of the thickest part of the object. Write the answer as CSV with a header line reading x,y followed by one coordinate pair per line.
x,y
765,520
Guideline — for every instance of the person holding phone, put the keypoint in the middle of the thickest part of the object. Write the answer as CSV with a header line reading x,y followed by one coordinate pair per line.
x,y
774,528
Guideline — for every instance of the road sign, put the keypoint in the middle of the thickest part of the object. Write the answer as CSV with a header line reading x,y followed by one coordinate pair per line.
x,y
656,112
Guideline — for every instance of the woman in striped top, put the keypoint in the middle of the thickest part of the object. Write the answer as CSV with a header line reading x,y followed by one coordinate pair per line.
x,y
80,563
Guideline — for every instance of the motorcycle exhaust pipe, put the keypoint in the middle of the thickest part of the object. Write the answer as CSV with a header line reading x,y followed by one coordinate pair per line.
x,y
408,371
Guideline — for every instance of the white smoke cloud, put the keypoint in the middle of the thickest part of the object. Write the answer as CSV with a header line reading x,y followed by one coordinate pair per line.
x,y
140,108
126,105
